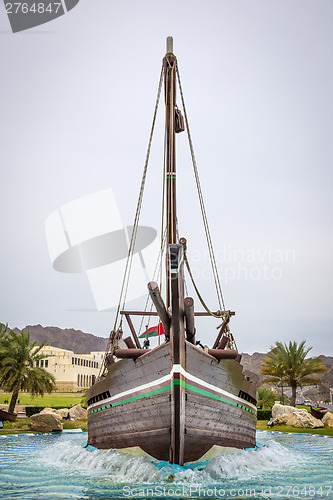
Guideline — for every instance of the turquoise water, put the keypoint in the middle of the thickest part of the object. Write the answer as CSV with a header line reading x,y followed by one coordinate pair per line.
x,y
34,467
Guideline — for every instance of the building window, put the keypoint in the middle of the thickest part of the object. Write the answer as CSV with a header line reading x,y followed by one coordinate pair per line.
x,y
37,363
72,361
42,363
96,365
46,363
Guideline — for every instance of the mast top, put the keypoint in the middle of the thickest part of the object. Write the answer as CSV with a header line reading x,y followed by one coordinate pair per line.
x,y
169,45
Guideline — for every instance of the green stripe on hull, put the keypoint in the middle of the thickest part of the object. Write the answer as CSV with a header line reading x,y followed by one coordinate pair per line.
x,y
176,381
144,395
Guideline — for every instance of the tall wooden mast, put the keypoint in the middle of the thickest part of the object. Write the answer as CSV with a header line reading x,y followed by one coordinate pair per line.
x,y
175,294
170,62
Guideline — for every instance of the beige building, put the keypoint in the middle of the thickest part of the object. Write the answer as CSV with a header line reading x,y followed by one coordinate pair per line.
x,y
72,372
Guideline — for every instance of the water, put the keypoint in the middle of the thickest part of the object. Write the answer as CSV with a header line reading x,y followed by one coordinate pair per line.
x,y
34,467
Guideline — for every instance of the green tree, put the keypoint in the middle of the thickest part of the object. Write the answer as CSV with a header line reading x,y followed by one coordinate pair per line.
x,y
287,363
18,370
3,330
266,398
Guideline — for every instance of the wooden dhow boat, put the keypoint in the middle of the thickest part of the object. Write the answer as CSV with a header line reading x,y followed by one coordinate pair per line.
x,y
317,413
6,415
177,400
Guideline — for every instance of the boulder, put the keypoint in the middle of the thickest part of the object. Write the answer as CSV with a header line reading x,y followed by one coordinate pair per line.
x,y
281,413
46,422
77,413
47,410
303,418
63,413
328,419
294,417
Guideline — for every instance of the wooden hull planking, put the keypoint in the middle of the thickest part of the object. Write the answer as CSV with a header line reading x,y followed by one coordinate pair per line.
x,y
5,415
137,411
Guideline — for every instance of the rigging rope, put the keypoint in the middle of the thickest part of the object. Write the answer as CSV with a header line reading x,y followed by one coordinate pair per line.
x,y
116,333
125,282
203,210
127,273
217,314
156,275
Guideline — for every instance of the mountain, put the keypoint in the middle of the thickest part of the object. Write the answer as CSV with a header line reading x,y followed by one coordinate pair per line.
x,y
73,340
83,343
252,362
327,378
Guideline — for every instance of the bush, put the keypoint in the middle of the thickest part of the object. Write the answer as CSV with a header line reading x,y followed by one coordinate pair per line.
x,y
264,414
32,410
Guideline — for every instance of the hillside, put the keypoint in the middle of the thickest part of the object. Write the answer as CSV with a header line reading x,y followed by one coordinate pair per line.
x,y
73,340
252,362
327,378
83,343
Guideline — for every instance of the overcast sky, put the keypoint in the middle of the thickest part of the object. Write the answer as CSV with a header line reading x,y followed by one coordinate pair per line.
x,y
77,98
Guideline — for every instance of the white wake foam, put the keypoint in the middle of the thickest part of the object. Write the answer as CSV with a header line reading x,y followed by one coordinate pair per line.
x,y
120,468
253,463
116,466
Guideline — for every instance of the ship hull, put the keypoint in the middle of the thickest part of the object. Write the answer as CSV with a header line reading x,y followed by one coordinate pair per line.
x,y
5,415
135,406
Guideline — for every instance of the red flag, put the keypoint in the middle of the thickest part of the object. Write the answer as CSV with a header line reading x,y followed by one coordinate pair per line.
x,y
153,331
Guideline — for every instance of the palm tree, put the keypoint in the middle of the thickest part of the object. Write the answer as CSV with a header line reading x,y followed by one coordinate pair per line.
x,y
287,363
266,398
3,330
18,370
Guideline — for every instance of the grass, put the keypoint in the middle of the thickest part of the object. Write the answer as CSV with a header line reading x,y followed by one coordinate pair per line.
x,y
324,431
22,426
56,399
65,400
